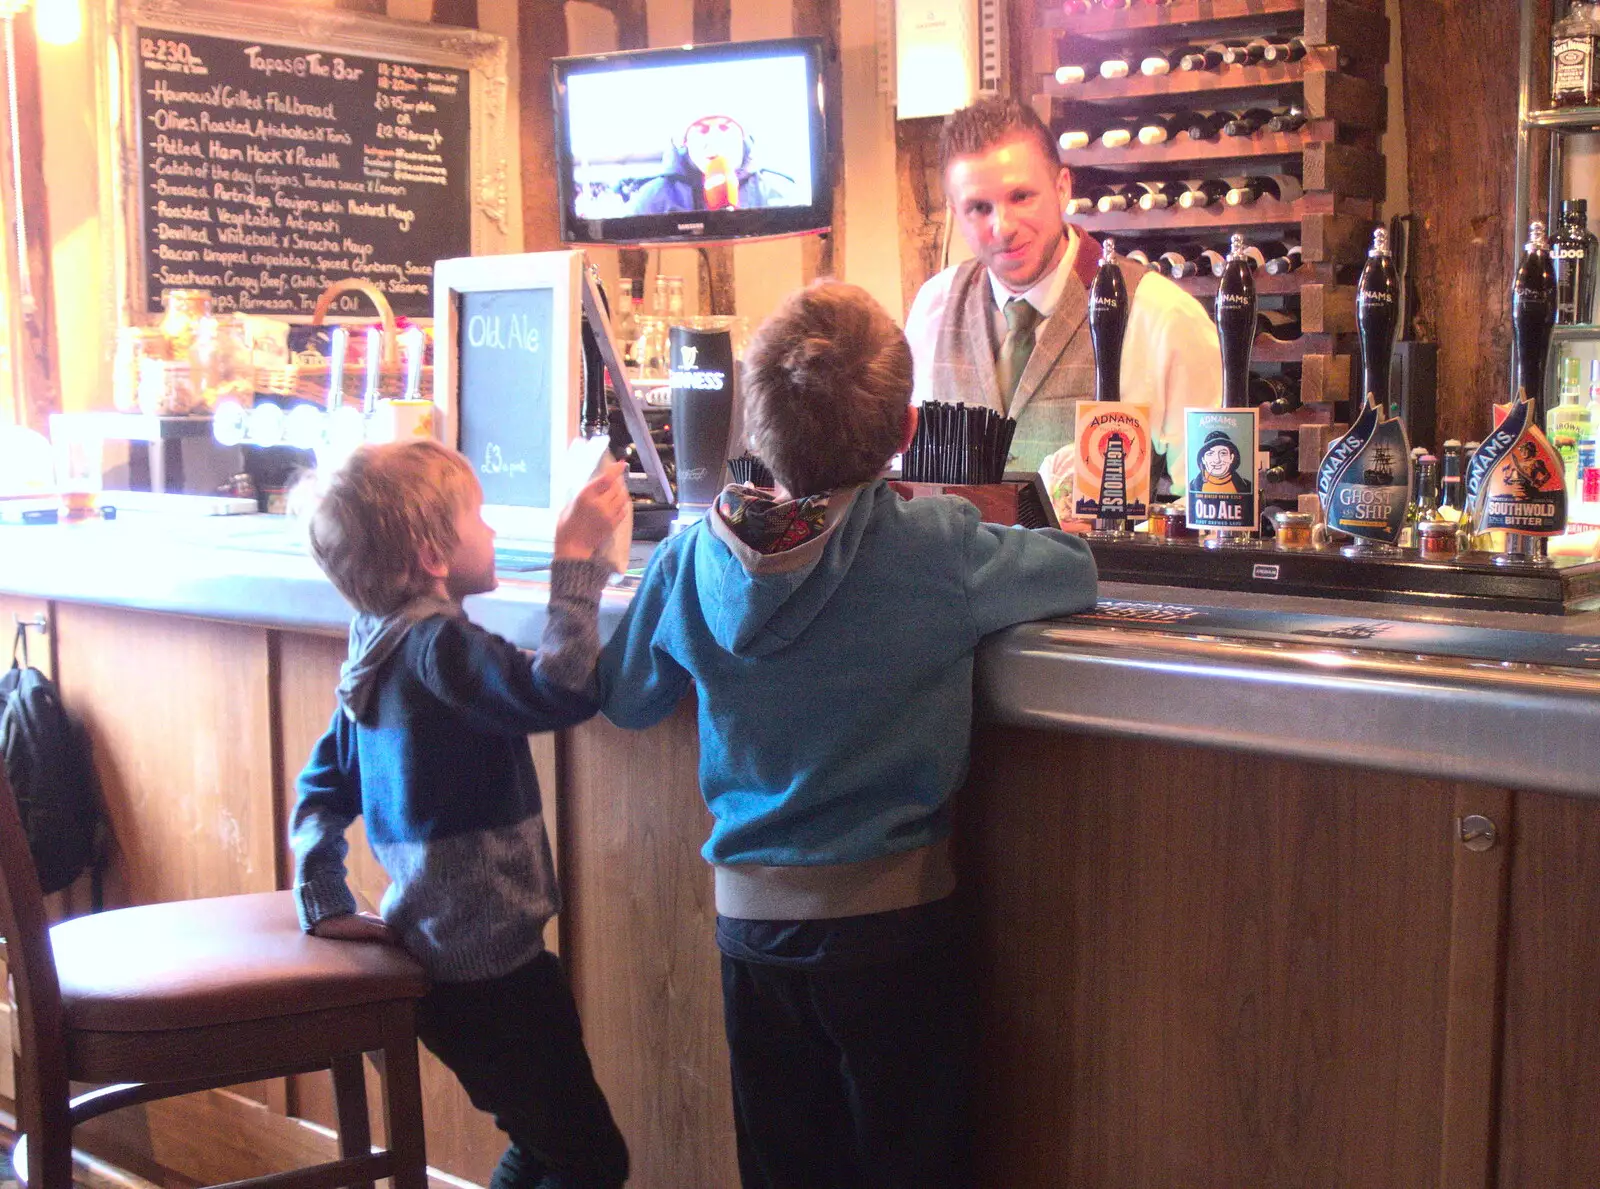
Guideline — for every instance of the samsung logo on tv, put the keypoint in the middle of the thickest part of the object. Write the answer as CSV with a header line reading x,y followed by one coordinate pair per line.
x,y
696,228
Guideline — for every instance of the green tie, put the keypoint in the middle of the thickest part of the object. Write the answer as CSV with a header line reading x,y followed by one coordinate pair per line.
x,y
1021,319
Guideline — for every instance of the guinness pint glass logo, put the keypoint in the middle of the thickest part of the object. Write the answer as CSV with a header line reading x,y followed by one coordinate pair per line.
x,y
686,356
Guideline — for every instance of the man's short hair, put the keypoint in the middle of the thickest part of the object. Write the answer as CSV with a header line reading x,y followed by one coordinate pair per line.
x,y
381,511
827,382
989,122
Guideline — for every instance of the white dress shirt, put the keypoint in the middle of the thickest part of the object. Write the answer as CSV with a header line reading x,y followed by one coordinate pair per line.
x,y
1171,359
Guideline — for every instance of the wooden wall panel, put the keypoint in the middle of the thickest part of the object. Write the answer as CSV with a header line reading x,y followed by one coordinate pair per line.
x,y
823,255
640,946
541,35
922,205
1550,1094
1206,969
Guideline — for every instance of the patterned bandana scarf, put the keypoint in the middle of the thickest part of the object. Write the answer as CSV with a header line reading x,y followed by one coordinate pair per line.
x,y
767,525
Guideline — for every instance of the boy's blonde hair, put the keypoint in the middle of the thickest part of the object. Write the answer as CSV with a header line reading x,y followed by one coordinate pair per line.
x,y
378,514
827,380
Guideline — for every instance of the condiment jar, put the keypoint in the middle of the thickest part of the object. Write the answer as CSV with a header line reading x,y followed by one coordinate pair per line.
x,y
182,311
1436,540
1168,522
1294,531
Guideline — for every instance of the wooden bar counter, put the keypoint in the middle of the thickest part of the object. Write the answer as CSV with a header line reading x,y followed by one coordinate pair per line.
x,y
1252,913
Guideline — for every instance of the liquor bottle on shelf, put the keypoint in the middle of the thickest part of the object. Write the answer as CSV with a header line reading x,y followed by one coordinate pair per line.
x,y
1209,58
1118,199
1277,266
1574,43
1575,252
1424,502
1291,119
1071,75
1283,461
1180,262
1087,201
1119,133
1247,123
1209,192
1165,62
1567,422
1158,196
1160,129
1279,52
1119,65
1279,186
1452,498
1247,54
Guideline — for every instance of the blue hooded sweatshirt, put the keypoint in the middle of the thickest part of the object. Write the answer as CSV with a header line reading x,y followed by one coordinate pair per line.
x,y
835,682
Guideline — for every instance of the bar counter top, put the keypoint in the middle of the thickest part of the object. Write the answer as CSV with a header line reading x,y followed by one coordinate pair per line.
x,y
1490,697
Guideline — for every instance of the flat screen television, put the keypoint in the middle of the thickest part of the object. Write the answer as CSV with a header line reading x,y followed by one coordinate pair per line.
x,y
693,144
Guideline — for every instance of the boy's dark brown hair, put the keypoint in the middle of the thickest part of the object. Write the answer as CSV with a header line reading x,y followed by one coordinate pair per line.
x,y
381,511
827,380
987,123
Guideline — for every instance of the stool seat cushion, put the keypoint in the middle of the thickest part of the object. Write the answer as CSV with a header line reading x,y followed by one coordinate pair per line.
x,y
198,963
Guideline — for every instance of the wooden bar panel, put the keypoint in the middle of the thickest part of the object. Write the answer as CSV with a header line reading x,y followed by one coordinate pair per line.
x,y
639,932
1328,309
1550,1088
922,202
541,36
1344,169
1195,968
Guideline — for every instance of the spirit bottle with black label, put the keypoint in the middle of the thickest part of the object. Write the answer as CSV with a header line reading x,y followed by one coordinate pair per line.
x,y
1575,252
1573,44
1452,495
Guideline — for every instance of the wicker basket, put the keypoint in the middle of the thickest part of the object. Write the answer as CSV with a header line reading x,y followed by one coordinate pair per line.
x,y
310,382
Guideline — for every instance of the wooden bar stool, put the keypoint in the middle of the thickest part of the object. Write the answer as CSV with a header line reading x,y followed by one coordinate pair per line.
x,y
168,999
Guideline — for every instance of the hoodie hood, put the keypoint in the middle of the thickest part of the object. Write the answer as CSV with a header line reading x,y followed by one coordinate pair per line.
x,y
373,640
774,564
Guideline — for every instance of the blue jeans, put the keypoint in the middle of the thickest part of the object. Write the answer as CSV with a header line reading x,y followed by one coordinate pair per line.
x,y
516,1045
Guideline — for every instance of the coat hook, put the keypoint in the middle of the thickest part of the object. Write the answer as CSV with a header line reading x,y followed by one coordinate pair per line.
x,y
38,623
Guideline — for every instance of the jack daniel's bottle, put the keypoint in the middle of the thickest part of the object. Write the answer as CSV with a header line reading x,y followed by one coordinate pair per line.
x,y
1575,252
1573,44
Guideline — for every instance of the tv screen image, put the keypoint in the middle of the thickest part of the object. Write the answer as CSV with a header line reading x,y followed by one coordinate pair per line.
x,y
702,143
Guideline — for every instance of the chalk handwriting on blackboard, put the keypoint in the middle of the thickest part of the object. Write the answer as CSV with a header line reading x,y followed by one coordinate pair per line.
x,y
494,462
269,172
514,332
504,392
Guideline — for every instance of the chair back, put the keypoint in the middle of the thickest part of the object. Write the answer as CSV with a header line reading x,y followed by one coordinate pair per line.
x,y
42,1086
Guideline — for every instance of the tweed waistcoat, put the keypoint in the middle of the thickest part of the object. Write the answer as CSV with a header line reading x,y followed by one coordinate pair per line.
x,y
1060,371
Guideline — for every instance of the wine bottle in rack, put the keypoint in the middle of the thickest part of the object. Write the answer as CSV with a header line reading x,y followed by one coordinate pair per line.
x,y
1277,266
1079,138
1119,199
1212,261
1279,324
1161,129
1158,196
1209,58
1208,126
1165,62
1283,461
1118,65
1119,133
1253,255
1071,75
1141,257
1289,120
1280,186
1281,394
1247,54
1247,123
1208,192
1178,263
1279,52
1087,201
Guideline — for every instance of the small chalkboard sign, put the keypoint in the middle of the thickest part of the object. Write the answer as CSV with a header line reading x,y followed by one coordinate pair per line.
x,y
508,377
503,350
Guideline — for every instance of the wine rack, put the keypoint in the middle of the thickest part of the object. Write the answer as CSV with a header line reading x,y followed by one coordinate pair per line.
x,y
1334,154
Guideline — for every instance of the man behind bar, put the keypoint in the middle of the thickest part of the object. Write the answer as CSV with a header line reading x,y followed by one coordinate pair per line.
x,y
1009,328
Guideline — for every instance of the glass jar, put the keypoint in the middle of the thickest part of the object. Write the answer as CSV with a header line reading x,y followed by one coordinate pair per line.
x,y
1294,531
134,344
182,310
222,364
1436,539
1168,522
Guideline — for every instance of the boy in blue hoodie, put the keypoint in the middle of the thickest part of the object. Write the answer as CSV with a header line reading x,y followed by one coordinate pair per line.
x,y
829,629
430,742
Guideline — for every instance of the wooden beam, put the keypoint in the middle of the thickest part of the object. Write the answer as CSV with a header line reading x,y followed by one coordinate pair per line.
x,y
461,13
541,36
713,22
633,33
822,256
377,8
1461,170
921,199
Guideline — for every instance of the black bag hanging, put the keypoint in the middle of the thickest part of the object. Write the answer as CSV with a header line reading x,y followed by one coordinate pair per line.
x,y
49,763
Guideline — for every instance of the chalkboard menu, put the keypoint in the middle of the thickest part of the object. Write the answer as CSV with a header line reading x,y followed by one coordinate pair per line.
x,y
268,172
504,361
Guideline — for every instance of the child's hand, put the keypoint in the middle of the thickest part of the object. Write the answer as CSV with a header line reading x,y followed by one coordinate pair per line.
x,y
355,926
586,524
